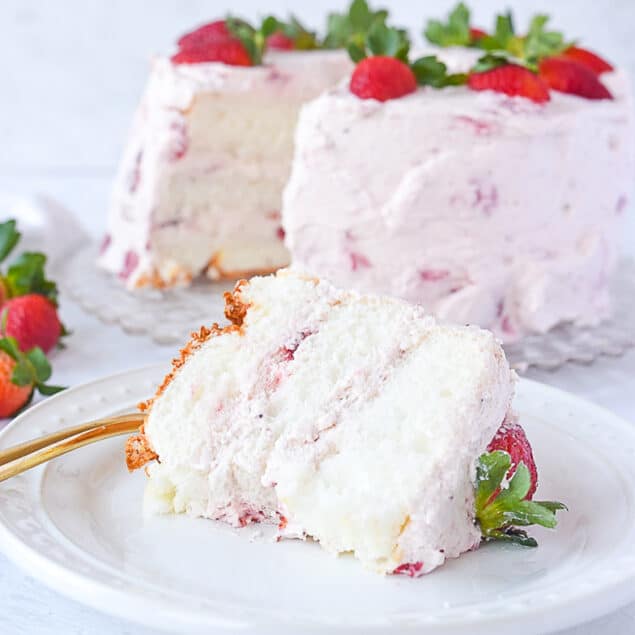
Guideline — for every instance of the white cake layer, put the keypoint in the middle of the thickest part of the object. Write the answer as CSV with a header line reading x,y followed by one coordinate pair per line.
x,y
484,208
209,154
357,419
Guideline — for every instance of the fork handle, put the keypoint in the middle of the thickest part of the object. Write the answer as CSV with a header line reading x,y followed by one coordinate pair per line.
x,y
28,455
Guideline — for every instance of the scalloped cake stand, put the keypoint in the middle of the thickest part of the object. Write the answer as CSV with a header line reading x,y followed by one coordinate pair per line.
x,y
168,317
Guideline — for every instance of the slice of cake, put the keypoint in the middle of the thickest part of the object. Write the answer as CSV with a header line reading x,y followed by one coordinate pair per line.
x,y
199,187
355,420
487,187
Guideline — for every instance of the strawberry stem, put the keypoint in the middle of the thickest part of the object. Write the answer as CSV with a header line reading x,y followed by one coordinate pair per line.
x,y
501,508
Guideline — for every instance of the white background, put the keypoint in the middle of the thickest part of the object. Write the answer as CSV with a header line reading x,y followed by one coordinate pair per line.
x,y
71,72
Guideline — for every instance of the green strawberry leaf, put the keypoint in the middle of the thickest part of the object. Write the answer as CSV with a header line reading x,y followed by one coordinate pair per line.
x,y
489,62
430,71
353,26
269,26
303,39
10,346
540,43
40,364
9,238
553,506
504,30
26,275
518,536
501,508
490,471
47,391
454,32
527,50
253,39
31,369
383,40
356,52
23,373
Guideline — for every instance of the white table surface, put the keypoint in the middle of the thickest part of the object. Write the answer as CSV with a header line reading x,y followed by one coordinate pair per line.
x,y
62,125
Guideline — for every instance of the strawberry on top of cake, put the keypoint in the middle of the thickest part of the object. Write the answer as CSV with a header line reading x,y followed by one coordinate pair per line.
x,y
486,180
355,420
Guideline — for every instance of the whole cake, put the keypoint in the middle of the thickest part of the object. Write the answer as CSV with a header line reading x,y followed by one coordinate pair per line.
x,y
488,183
355,420
199,187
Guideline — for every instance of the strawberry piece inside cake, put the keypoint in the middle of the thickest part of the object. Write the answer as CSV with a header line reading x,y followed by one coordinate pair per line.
x,y
358,421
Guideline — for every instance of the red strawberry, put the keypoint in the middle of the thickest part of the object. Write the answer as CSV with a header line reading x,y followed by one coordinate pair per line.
x,y
382,78
587,58
280,42
12,396
411,569
511,438
512,80
568,76
226,51
476,34
205,34
32,320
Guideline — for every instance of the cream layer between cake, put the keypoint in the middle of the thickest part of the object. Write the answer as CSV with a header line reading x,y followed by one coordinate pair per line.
x,y
355,420
484,208
199,187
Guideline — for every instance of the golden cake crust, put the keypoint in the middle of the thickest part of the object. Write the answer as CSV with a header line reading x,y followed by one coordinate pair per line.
x,y
138,449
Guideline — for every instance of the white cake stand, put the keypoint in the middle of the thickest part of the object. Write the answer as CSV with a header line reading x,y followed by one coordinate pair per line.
x,y
170,316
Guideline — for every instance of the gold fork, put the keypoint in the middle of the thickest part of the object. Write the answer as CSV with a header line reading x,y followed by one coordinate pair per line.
x,y
22,457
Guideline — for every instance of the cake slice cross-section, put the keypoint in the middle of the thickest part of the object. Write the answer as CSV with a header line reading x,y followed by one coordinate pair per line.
x,y
355,420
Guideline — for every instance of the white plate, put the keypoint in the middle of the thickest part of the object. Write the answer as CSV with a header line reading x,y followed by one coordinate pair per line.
x,y
76,524
170,316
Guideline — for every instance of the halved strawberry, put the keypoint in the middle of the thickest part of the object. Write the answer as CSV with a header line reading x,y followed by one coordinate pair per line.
x,y
568,76
281,42
227,51
587,58
205,34
512,80
382,78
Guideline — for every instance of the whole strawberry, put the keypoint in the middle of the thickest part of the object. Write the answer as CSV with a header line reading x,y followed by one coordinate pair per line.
x,y
382,78
506,480
204,34
20,375
12,396
32,320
